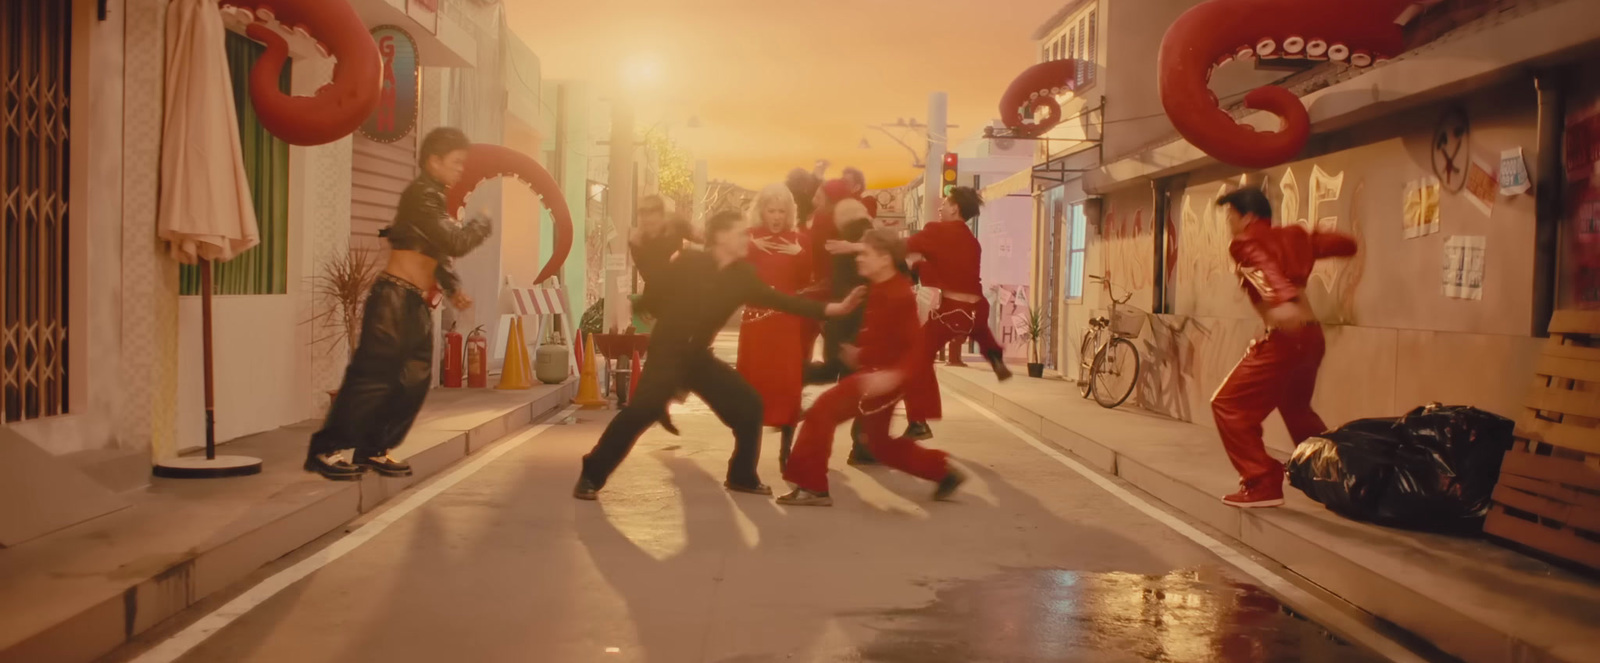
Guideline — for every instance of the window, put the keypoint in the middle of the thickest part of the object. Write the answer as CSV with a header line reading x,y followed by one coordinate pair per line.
x,y
34,176
263,270
1093,50
1072,44
1076,223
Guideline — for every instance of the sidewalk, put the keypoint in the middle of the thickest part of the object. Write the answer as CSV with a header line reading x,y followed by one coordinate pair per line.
x,y
1472,598
77,594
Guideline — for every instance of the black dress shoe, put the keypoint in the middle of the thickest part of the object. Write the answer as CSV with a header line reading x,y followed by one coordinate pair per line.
x,y
918,430
948,485
757,489
997,362
586,490
666,424
333,468
385,466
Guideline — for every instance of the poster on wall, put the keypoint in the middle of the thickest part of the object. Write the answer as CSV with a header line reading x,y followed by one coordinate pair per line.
x,y
1482,185
1513,173
396,115
1421,213
1463,267
1584,259
1582,148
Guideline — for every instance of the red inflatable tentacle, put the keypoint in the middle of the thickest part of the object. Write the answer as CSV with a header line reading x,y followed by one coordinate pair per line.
x,y
486,162
1357,32
339,108
1037,88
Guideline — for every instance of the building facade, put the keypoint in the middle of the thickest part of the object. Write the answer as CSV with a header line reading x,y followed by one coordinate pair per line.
x,y
1392,150
120,379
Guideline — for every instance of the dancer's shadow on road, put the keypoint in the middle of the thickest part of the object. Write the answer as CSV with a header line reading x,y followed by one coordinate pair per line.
x,y
672,598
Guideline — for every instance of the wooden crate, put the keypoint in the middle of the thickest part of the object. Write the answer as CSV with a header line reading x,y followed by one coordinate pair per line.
x,y
1548,496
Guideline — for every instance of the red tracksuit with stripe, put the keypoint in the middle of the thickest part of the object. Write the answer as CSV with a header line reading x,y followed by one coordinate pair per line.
x,y
1279,371
890,339
952,257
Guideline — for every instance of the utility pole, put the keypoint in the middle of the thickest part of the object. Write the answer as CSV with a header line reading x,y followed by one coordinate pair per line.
x,y
618,309
938,137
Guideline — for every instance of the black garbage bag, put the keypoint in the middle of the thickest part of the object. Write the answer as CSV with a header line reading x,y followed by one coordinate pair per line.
x,y
1433,469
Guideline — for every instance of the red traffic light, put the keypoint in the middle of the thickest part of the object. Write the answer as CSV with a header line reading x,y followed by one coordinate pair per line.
x,y
950,159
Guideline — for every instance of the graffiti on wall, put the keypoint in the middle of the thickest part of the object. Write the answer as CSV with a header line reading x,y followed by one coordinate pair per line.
x,y
1128,247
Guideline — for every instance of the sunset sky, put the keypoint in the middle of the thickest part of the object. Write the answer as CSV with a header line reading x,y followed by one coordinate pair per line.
x,y
780,84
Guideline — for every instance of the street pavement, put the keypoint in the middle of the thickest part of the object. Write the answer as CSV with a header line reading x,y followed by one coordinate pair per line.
x,y
1031,562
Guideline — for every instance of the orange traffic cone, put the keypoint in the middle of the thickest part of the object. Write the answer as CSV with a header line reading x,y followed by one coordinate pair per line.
x,y
514,373
638,372
522,349
588,386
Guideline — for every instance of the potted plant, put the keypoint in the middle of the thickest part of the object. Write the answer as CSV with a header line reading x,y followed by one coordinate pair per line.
x,y
1035,325
342,286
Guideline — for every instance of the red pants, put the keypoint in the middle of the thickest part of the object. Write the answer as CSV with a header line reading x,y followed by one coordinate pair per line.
x,y
1277,373
808,464
953,320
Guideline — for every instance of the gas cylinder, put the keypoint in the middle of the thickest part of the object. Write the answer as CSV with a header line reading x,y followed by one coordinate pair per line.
x,y
450,360
478,359
550,363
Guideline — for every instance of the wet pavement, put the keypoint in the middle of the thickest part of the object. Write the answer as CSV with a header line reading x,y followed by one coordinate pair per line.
x,y
1031,562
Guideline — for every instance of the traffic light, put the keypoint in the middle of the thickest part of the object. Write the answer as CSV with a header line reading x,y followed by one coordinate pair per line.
x,y
951,162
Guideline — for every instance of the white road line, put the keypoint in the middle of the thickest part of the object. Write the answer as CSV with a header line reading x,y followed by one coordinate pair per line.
x,y
183,641
1291,594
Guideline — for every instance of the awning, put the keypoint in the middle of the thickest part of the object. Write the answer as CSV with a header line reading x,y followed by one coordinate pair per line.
x,y
1019,183
205,209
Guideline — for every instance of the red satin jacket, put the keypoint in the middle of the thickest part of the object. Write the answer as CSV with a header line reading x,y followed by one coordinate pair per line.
x,y
1274,264
891,333
952,257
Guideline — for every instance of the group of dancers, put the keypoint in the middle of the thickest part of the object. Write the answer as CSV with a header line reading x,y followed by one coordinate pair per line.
x,y
814,257
802,262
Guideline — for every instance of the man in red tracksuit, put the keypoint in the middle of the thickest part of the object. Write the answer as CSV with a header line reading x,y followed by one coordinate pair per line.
x,y
947,256
1279,371
889,352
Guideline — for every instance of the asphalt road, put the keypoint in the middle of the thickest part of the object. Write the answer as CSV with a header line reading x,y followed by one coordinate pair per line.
x,y
1032,562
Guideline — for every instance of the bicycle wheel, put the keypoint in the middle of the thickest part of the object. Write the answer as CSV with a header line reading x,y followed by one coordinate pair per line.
x,y
1115,372
1086,363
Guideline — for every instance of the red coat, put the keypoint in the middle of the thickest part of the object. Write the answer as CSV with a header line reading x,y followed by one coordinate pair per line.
x,y
891,330
952,257
1274,264
823,229
771,344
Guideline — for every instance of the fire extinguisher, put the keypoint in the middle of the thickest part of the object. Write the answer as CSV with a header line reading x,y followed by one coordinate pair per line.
x,y
450,360
478,359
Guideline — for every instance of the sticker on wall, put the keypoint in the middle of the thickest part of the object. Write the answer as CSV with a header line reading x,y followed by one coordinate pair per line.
x,y
1482,185
1463,267
1421,213
1513,173
396,115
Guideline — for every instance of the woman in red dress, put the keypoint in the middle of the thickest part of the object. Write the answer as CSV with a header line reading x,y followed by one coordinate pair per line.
x,y
769,341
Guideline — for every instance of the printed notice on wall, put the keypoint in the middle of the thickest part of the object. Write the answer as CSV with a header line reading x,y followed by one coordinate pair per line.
x,y
1513,173
1421,212
1463,267
1482,186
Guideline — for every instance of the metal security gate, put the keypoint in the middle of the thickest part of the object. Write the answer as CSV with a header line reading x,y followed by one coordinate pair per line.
x,y
35,85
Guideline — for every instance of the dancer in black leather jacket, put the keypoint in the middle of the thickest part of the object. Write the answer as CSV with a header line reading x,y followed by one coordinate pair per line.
x,y
390,373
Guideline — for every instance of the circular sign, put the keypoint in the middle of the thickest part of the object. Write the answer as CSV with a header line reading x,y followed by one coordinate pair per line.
x,y
396,115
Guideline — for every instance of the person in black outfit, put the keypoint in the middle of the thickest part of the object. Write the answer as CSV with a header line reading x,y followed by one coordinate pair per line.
x,y
389,375
693,299
653,244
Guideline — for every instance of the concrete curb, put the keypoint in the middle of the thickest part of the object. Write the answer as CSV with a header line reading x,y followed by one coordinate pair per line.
x,y
1346,567
163,593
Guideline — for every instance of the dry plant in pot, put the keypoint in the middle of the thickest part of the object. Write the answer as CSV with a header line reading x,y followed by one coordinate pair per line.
x,y
342,288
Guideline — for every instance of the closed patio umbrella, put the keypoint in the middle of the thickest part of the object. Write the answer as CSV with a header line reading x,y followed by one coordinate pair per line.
x,y
205,215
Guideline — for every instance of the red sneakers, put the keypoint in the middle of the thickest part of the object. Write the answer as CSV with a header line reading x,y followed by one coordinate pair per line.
x,y
1258,494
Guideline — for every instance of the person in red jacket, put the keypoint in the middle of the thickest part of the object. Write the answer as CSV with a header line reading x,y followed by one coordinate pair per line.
x,y
1279,371
769,340
947,256
890,351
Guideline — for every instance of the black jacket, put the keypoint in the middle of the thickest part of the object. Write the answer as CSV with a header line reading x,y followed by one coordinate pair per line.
x,y
421,224
692,300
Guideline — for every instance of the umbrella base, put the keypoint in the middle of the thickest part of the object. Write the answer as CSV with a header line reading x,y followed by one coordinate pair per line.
x,y
202,468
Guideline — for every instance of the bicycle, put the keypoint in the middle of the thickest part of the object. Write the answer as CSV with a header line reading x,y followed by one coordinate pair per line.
x,y
1106,356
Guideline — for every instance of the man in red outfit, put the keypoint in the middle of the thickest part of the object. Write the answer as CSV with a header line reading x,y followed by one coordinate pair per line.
x,y
947,256
884,360
1279,371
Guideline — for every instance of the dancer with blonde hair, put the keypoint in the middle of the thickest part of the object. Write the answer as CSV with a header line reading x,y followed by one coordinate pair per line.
x,y
771,340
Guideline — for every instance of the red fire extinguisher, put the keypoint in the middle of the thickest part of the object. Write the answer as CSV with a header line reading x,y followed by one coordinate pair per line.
x,y
450,360
478,359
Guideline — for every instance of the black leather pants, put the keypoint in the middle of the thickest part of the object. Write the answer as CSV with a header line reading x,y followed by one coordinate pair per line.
x,y
388,378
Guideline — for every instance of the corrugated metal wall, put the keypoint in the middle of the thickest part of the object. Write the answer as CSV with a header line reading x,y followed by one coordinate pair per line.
x,y
380,172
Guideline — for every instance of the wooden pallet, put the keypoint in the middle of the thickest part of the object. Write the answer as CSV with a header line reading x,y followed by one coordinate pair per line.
x,y
1548,497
